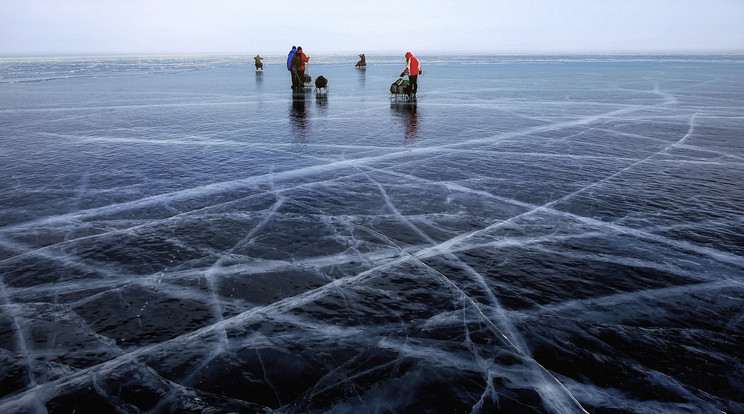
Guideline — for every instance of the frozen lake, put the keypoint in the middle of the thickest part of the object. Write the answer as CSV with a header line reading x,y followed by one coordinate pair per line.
x,y
535,234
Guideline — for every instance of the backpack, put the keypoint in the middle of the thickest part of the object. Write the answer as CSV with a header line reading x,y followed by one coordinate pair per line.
x,y
296,61
321,82
400,86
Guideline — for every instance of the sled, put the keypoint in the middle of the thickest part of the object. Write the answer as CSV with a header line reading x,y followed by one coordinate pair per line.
x,y
321,86
400,89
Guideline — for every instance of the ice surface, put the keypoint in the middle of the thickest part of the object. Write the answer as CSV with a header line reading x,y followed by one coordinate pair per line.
x,y
534,234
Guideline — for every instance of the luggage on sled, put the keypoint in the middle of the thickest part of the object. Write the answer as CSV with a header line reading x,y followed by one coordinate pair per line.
x,y
321,85
400,87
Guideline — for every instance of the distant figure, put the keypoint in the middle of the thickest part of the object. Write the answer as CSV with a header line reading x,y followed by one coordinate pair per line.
x,y
290,68
413,69
257,60
300,59
362,61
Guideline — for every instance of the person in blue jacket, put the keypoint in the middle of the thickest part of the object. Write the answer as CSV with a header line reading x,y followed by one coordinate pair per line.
x,y
291,69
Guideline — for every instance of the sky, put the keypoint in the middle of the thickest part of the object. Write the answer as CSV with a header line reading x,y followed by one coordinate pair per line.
x,y
245,27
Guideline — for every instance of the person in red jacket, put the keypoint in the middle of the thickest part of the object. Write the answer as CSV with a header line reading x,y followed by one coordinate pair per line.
x,y
301,60
413,69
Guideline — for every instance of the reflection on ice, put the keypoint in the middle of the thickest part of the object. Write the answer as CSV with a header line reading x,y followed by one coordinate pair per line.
x,y
541,243
407,112
299,118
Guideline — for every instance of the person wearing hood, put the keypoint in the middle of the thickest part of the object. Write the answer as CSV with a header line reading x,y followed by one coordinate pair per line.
x,y
258,63
413,69
299,63
291,70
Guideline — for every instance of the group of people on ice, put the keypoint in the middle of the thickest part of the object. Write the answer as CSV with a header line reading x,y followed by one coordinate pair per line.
x,y
297,59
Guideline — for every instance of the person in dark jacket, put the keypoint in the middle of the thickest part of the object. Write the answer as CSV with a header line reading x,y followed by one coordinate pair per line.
x,y
362,61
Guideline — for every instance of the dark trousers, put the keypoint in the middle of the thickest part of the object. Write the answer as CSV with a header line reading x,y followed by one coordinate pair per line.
x,y
296,83
413,84
301,76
